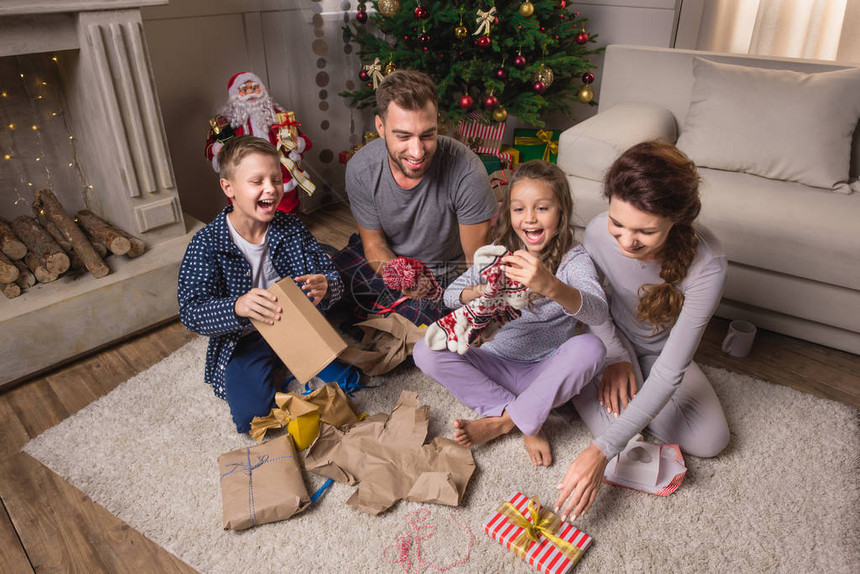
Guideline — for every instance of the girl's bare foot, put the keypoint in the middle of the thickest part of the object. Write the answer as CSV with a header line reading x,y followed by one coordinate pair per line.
x,y
478,431
537,445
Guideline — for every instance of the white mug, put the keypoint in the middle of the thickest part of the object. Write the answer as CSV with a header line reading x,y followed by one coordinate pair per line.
x,y
739,340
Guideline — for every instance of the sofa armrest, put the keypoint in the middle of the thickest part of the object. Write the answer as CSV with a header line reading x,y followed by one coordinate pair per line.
x,y
588,149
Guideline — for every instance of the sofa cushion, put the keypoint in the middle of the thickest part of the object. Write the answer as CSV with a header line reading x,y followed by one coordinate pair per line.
x,y
779,124
589,148
785,227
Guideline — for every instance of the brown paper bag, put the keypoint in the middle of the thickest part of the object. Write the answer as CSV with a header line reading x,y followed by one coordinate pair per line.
x,y
261,484
387,342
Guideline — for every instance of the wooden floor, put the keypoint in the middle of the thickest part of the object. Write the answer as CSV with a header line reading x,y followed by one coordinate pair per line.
x,y
47,525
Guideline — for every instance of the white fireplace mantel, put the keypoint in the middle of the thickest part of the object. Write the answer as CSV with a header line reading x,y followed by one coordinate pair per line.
x,y
115,116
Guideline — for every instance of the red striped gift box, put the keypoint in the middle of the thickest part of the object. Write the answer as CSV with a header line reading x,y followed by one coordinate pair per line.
x,y
543,555
489,136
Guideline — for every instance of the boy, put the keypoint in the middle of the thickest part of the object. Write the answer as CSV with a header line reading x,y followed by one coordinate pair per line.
x,y
231,262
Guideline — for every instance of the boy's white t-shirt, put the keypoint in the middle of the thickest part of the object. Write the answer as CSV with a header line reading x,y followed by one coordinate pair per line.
x,y
263,273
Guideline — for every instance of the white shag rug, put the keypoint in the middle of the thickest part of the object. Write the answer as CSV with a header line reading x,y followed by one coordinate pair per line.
x,y
783,497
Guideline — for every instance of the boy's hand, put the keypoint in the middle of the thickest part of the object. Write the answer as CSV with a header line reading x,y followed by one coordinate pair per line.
x,y
316,286
258,304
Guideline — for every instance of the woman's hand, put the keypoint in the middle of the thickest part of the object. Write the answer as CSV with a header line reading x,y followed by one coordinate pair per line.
x,y
581,482
617,387
258,304
524,267
316,286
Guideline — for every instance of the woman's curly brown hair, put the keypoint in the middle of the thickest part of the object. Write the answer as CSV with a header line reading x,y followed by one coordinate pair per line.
x,y
658,178
563,240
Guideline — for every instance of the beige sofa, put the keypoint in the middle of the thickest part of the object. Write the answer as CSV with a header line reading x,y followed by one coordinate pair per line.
x,y
793,248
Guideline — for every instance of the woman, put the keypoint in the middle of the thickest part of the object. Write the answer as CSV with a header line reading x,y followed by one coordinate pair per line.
x,y
666,278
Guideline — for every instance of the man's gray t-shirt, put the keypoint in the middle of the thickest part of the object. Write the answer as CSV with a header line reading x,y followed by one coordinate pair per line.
x,y
421,222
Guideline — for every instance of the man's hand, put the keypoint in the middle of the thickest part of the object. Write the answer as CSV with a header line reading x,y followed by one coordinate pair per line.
x,y
420,290
258,304
316,286
617,387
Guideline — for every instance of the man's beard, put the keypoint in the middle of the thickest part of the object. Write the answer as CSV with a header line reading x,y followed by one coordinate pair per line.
x,y
407,171
260,111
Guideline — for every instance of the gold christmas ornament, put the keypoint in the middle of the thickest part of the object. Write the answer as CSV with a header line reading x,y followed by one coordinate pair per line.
x,y
389,8
389,68
526,9
460,32
544,74
585,94
500,114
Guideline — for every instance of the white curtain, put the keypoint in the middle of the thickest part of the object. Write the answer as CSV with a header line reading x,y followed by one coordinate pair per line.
x,y
814,29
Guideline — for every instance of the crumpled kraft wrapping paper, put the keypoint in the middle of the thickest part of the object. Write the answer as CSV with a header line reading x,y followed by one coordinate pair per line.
x,y
387,342
302,414
261,484
387,456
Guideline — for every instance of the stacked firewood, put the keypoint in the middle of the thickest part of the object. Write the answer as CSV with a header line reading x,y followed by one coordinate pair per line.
x,y
43,247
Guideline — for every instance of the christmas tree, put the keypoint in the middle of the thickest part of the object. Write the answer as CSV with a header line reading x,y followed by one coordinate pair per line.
x,y
495,57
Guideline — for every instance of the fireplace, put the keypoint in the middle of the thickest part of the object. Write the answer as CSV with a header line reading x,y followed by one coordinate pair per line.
x,y
80,116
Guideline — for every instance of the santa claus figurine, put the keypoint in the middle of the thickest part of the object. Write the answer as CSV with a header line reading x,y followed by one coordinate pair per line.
x,y
250,110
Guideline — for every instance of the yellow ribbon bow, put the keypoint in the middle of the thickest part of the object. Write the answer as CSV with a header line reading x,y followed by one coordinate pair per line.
x,y
541,137
375,71
543,523
484,20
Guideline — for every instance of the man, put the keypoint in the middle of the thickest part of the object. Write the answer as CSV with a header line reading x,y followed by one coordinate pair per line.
x,y
414,194
251,111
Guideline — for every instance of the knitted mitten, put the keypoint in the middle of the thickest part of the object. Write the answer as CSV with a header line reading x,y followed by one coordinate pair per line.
x,y
404,272
499,304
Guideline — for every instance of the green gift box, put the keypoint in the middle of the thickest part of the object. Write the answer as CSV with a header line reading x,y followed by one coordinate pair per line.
x,y
537,144
491,162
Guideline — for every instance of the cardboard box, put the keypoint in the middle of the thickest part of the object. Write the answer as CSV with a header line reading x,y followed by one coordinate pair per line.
x,y
303,338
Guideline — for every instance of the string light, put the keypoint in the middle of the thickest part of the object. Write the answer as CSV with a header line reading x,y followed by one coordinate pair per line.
x,y
7,156
4,94
11,126
34,127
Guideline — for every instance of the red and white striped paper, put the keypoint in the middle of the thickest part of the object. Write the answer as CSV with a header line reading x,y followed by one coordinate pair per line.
x,y
542,555
490,136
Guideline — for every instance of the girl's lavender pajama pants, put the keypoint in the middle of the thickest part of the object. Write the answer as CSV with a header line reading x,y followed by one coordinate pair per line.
x,y
491,385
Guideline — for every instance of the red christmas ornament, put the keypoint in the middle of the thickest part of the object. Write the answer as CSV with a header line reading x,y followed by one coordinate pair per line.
x,y
587,78
520,62
501,74
361,17
466,103
539,87
491,102
582,37
363,75
484,42
424,38
421,12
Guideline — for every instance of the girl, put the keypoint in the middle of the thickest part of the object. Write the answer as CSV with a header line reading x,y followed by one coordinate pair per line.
x,y
534,363
666,278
